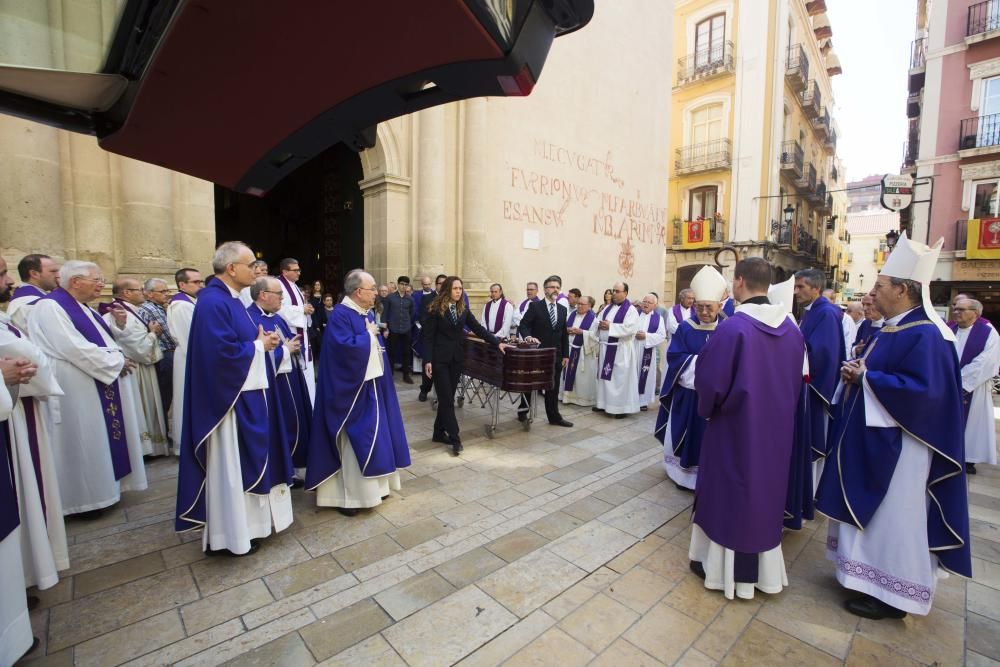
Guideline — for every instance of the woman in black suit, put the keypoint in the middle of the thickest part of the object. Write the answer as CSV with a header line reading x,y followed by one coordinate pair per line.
x,y
444,354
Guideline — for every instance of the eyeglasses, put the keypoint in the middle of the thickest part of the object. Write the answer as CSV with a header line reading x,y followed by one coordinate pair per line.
x,y
706,306
620,291
158,291
93,280
295,270
278,292
962,310
369,289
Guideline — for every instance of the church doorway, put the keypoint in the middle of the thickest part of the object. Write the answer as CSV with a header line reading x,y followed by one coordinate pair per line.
x,y
314,215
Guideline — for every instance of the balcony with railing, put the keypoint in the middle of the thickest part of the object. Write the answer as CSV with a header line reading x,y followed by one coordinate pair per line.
x,y
979,135
818,195
706,63
914,103
821,124
797,68
918,61
716,229
830,143
983,19
911,149
792,157
834,175
811,99
807,182
707,156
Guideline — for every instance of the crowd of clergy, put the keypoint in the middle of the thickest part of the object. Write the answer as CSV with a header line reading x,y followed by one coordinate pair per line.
x,y
873,416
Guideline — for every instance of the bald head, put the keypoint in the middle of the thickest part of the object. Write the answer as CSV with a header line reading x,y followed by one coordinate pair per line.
x,y
856,311
128,290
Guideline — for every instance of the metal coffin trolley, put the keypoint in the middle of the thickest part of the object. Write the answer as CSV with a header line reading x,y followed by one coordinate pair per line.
x,y
491,376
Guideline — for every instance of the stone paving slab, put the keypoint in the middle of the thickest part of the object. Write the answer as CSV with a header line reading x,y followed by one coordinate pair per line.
x,y
553,546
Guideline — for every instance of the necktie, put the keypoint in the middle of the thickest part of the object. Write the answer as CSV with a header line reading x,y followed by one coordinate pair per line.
x,y
552,314
452,314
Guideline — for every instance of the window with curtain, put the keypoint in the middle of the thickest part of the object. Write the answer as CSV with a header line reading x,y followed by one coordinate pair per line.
x,y
709,40
703,202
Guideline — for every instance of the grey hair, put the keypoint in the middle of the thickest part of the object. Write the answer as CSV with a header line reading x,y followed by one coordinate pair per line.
x,y
686,290
976,305
258,263
353,280
227,254
812,277
591,300
76,268
912,288
152,283
260,285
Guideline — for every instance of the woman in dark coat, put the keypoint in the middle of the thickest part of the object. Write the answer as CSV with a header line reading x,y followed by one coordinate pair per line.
x,y
444,354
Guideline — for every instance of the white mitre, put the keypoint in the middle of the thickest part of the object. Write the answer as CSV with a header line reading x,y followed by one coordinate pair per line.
x,y
911,260
708,285
783,294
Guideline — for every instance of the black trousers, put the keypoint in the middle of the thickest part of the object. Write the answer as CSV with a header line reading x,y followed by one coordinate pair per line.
x,y
445,383
551,396
400,347
165,380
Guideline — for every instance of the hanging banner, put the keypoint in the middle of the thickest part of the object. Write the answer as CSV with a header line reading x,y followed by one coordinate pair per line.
x,y
897,191
983,239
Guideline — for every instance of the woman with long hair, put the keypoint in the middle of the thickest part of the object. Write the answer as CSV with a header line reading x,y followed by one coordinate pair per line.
x,y
444,354
608,295
317,321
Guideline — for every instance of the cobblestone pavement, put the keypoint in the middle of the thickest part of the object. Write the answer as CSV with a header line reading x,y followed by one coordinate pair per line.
x,y
555,546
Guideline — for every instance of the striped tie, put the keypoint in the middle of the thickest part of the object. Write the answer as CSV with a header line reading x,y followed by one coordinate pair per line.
x,y
552,315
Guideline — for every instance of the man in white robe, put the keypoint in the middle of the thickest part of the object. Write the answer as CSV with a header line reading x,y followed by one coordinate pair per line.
x,y
39,276
296,312
617,386
140,342
43,534
978,371
854,315
680,311
234,474
583,349
531,295
180,310
498,312
97,456
651,333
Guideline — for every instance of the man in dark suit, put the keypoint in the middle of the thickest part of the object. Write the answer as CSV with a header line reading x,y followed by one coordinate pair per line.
x,y
544,322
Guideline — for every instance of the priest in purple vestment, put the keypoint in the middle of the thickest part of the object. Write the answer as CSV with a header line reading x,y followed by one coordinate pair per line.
x,y
358,439
748,379
897,496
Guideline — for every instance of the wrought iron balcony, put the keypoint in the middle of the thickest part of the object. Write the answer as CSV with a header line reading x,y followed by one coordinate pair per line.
x,y
979,132
911,149
707,156
826,206
812,99
716,230
983,17
706,64
834,173
807,182
797,68
914,102
781,232
830,143
792,157
821,124
818,195
918,53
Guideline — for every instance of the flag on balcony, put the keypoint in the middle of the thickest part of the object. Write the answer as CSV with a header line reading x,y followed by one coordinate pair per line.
x,y
695,234
983,239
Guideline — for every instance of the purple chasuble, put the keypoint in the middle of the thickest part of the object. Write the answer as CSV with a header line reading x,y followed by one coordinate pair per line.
x,y
575,347
647,353
747,380
27,290
9,517
499,323
110,394
612,347
29,420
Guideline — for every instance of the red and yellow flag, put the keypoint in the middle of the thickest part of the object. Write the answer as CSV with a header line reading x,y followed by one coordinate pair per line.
x,y
695,234
983,239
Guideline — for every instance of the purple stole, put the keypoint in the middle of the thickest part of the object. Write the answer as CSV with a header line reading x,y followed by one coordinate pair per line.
x,y
110,394
609,356
128,308
679,315
28,290
524,304
181,296
29,417
575,347
9,517
974,346
295,296
647,353
502,309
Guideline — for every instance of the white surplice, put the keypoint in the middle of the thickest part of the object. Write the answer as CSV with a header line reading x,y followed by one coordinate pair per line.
x,y
649,393
233,516
500,328
348,488
294,314
43,533
179,314
620,394
890,560
19,310
585,382
673,322
79,435
850,328
143,347
15,626
977,378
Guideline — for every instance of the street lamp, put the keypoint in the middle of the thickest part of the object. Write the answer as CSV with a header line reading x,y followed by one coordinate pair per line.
x,y
861,280
891,238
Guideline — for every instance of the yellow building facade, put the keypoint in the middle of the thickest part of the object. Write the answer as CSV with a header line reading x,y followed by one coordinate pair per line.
x,y
753,139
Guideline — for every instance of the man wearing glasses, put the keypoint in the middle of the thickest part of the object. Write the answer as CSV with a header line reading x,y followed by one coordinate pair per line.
x,y
180,310
297,313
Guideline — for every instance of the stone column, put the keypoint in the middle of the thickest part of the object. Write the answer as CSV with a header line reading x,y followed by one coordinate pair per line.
x,y
431,192
193,222
31,217
387,225
144,218
480,265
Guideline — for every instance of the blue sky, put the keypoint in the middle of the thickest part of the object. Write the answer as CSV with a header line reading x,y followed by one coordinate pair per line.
x,y
872,38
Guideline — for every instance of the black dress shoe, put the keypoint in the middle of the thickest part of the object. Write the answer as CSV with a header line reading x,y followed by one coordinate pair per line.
x,y
34,644
970,468
422,397
522,416
683,488
348,511
296,483
644,407
440,437
254,546
91,515
621,416
596,409
456,447
868,607
562,422
698,569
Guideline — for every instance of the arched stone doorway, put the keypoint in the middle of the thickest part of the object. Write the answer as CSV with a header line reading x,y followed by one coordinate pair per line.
x,y
315,215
